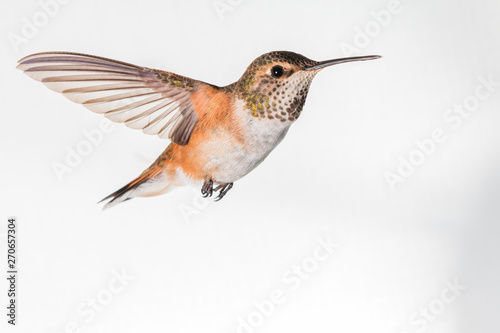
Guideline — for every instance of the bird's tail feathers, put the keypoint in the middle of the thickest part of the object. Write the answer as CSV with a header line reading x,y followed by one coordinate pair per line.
x,y
153,181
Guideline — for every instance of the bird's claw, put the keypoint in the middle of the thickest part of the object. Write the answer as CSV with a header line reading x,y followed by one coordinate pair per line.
x,y
207,189
224,188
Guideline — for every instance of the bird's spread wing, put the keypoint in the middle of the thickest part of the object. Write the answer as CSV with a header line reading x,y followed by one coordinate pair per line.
x,y
155,101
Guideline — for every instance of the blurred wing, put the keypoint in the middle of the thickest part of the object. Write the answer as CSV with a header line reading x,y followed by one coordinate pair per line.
x,y
155,101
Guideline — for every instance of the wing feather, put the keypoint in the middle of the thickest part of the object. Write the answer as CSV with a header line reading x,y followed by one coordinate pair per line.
x,y
155,101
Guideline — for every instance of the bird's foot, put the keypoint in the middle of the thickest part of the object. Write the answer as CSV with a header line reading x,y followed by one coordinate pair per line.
x,y
207,188
224,188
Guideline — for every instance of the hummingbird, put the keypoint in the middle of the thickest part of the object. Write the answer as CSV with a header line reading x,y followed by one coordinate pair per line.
x,y
217,134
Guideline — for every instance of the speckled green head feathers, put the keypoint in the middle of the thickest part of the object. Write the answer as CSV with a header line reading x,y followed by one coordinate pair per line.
x,y
275,85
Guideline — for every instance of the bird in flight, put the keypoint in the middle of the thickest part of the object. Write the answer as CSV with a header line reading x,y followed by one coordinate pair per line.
x,y
218,134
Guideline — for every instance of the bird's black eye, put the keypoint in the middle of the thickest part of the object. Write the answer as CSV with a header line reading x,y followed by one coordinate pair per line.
x,y
277,71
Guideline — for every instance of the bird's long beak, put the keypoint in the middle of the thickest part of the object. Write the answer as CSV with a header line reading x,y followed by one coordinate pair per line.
x,y
326,63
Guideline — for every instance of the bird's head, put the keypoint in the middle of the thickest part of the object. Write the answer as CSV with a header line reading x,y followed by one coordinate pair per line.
x,y
275,85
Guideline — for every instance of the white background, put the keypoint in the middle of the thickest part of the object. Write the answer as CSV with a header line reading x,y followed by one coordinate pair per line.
x,y
197,265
